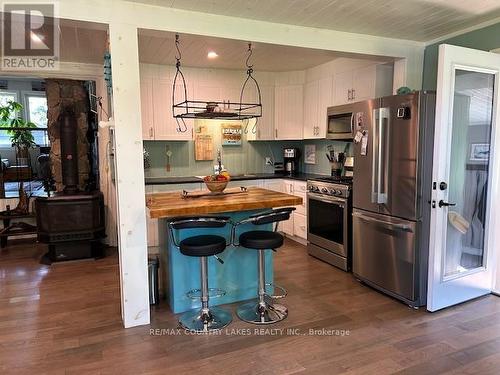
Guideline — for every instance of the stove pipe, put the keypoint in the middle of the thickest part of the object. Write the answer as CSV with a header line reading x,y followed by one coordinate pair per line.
x,y
69,151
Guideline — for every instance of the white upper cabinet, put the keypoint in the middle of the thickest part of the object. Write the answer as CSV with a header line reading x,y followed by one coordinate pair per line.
x,y
317,98
289,112
147,103
311,109
368,82
158,122
264,131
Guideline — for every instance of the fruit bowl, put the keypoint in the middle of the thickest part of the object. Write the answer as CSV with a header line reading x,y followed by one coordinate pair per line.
x,y
216,183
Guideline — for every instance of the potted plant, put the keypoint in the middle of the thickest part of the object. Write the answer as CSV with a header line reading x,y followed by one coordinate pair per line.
x,y
22,140
20,134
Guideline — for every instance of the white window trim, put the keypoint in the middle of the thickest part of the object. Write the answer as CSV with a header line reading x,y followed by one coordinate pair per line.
x,y
25,95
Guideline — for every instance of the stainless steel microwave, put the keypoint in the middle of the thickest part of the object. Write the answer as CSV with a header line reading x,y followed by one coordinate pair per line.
x,y
340,123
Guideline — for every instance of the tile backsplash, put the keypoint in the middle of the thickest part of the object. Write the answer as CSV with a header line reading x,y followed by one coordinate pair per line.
x,y
250,157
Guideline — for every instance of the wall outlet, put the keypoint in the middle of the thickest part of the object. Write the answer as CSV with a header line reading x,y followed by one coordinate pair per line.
x,y
269,161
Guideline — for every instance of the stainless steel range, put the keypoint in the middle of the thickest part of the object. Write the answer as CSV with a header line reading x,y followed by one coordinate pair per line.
x,y
329,205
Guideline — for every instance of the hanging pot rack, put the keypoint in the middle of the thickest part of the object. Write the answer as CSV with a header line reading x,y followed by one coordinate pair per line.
x,y
213,109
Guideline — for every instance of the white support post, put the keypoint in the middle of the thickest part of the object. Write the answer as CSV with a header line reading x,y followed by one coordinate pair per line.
x,y
129,174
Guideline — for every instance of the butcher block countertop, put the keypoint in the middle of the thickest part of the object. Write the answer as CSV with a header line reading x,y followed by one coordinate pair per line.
x,y
163,205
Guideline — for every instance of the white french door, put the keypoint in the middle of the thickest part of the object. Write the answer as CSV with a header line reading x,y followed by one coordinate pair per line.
x,y
464,233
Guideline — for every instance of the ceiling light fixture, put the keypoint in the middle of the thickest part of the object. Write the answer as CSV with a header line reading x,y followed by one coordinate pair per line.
x,y
212,55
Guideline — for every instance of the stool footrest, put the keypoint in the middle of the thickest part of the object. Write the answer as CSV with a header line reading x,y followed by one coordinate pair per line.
x,y
283,291
212,293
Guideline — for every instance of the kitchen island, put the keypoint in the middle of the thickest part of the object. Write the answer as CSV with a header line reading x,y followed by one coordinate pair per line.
x,y
238,275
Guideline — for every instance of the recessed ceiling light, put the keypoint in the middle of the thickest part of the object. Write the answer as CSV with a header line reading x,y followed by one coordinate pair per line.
x,y
212,55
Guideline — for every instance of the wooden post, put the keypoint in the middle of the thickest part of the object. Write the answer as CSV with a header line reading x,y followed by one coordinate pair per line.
x,y
129,174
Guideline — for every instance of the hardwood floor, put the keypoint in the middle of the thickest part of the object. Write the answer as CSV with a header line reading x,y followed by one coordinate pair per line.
x,y
65,319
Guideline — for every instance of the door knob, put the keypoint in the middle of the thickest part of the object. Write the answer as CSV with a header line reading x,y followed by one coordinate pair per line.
x,y
443,186
445,204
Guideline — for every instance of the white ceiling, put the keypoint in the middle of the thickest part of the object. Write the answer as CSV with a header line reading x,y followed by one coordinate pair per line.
x,y
82,44
159,48
420,20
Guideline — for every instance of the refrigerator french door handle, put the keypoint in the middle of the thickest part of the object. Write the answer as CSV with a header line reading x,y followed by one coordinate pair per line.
x,y
375,153
401,227
382,173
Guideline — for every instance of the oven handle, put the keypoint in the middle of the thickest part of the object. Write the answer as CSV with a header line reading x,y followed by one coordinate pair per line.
x,y
317,197
402,227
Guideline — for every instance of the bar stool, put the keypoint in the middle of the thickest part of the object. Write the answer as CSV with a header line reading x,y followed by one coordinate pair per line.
x,y
262,310
207,318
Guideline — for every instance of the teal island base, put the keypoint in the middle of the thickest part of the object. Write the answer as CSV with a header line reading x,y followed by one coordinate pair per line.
x,y
238,276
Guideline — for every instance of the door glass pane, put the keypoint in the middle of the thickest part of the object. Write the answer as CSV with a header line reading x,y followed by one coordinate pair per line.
x,y
326,220
469,162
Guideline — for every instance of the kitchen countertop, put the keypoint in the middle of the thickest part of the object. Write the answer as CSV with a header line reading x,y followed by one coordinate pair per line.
x,y
251,176
162,205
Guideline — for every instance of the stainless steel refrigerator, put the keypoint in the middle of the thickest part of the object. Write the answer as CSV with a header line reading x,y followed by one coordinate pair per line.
x,y
391,193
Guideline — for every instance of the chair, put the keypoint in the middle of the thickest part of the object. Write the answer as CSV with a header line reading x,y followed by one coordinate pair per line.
x,y
262,310
207,318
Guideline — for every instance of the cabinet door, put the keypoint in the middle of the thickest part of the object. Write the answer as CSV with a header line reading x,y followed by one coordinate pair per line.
x,y
311,110
342,84
162,108
265,125
152,231
246,183
325,101
363,83
274,185
299,225
289,112
208,91
147,107
165,124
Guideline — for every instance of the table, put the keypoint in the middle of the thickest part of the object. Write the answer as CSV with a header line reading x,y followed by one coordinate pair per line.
x,y
238,275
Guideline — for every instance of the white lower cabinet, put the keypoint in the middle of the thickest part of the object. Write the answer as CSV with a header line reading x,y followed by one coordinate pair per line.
x,y
299,225
296,226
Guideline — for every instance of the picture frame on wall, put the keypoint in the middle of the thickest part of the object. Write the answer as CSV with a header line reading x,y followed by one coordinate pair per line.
x,y
480,152
310,154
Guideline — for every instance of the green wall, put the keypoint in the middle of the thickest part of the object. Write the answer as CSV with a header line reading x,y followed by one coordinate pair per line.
x,y
485,39
247,158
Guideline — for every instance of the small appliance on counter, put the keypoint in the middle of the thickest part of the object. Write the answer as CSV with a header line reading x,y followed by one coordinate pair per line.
x,y
291,157
279,167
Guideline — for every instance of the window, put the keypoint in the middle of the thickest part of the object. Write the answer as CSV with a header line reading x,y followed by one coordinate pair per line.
x,y
35,108
5,97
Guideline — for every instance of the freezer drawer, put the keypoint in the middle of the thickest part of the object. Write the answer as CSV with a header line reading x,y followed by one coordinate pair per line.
x,y
384,253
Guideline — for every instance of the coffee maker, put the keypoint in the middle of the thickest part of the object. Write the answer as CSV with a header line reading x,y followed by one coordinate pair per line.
x,y
291,158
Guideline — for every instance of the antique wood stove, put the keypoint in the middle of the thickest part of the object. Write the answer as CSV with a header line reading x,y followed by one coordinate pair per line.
x,y
71,222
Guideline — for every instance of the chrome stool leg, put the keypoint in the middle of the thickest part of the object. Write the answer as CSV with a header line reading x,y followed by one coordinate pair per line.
x,y
207,318
260,311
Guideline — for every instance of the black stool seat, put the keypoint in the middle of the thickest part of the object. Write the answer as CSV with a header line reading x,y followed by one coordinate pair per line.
x,y
261,239
202,246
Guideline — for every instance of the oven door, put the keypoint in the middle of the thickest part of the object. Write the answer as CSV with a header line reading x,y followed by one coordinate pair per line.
x,y
327,223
